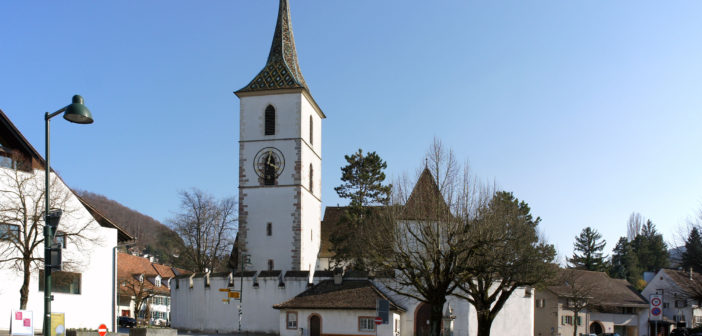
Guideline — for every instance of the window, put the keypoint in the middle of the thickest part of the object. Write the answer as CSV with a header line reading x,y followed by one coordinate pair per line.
x,y
270,264
157,283
311,131
540,303
698,321
168,301
666,305
62,282
311,177
566,320
680,303
269,229
8,231
366,323
269,128
659,291
291,320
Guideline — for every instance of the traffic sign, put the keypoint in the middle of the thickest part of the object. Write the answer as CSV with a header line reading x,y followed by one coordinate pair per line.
x,y
234,295
655,309
378,320
102,330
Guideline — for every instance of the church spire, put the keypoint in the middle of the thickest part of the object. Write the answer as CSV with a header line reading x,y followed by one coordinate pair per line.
x,y
282,70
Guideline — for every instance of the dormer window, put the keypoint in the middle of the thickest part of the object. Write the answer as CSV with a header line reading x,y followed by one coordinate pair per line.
x,y
269,128
157,281
141,278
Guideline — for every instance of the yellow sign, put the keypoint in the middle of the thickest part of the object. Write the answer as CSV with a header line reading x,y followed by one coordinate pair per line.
x,y
224,289
58,327
225,300
234,295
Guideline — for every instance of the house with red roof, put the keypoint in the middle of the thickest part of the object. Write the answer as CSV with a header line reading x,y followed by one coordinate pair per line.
x,y
144,288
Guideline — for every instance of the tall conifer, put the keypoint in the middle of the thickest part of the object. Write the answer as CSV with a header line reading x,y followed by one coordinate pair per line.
x,y
587,254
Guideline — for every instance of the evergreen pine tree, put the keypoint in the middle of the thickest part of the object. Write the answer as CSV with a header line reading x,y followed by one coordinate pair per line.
x,y
625,264
650,249
692,257
362,183
587,254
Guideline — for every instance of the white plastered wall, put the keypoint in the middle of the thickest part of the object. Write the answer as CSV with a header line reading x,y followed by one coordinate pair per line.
x,y
93,259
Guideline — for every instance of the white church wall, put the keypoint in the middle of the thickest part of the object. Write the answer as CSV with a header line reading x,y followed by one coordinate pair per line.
x,y
308,111
310,230
92,259
201,308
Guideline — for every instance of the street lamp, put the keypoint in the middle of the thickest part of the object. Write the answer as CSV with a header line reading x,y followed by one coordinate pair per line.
x,y
77,113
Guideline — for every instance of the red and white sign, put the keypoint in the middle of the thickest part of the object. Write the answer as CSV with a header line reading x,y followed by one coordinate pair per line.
x,y
22,323
378,320
655,309
102,330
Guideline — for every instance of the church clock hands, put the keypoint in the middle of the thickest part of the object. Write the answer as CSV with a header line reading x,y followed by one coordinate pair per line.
x,y
268,161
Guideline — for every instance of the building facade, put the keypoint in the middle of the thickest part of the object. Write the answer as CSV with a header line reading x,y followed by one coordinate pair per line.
x,y
87,239
681,290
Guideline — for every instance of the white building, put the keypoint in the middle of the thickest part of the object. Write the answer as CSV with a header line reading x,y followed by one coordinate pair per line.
x,y
680,290
84,290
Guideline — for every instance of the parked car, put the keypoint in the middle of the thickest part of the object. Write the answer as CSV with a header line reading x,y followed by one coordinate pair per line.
x,y
126,321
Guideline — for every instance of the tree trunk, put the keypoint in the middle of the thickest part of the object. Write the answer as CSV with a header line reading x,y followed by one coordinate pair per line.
x,y
575,323
24,290
484,322
435,317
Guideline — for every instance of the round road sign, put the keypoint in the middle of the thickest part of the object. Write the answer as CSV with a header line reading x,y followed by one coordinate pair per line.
x,y
656,301
656,311
378,320
102,330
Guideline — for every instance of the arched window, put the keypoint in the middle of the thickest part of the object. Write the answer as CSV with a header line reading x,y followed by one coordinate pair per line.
x,y
311,131
269,229
311,178
270,120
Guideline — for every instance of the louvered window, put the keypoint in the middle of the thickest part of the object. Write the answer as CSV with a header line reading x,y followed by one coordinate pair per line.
x,y
270,120
311,177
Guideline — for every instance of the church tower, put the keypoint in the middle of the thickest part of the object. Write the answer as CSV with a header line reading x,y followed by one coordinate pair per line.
x,y
280,161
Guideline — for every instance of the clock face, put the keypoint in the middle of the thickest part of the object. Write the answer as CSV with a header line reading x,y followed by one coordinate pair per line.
x,y
269,163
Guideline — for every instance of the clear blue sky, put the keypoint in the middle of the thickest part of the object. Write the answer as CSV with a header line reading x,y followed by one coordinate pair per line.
x,y
587,110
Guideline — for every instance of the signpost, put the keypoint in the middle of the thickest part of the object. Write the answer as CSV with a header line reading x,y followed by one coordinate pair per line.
x,y
655,309
102,330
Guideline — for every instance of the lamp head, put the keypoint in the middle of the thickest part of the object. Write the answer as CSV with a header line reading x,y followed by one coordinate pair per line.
x,y
77,112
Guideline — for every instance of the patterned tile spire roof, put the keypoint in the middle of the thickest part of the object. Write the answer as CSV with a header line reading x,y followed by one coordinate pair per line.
x,y
282,70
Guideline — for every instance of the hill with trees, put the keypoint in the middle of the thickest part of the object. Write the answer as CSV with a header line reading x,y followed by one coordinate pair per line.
x,y
152,236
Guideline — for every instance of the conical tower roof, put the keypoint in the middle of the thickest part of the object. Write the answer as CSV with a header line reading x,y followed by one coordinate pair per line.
x,y
426,202
282,70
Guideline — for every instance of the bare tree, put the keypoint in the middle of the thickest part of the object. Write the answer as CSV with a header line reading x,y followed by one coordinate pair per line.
x,y
578,292
206,225
424,237
135,287
633,225
22,205
516,257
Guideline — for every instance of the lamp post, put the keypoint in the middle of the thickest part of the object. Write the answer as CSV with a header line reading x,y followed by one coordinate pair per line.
x,y
77,113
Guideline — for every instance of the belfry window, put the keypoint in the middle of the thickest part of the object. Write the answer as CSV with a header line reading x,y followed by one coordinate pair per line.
x,y
311,131
269,128
269,229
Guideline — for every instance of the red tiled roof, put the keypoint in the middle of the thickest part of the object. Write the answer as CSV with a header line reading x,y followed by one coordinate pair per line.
x,y
129,267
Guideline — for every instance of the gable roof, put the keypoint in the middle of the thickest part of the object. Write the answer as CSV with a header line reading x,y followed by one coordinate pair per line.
x,y
12,137
350,294
688,282
603,290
